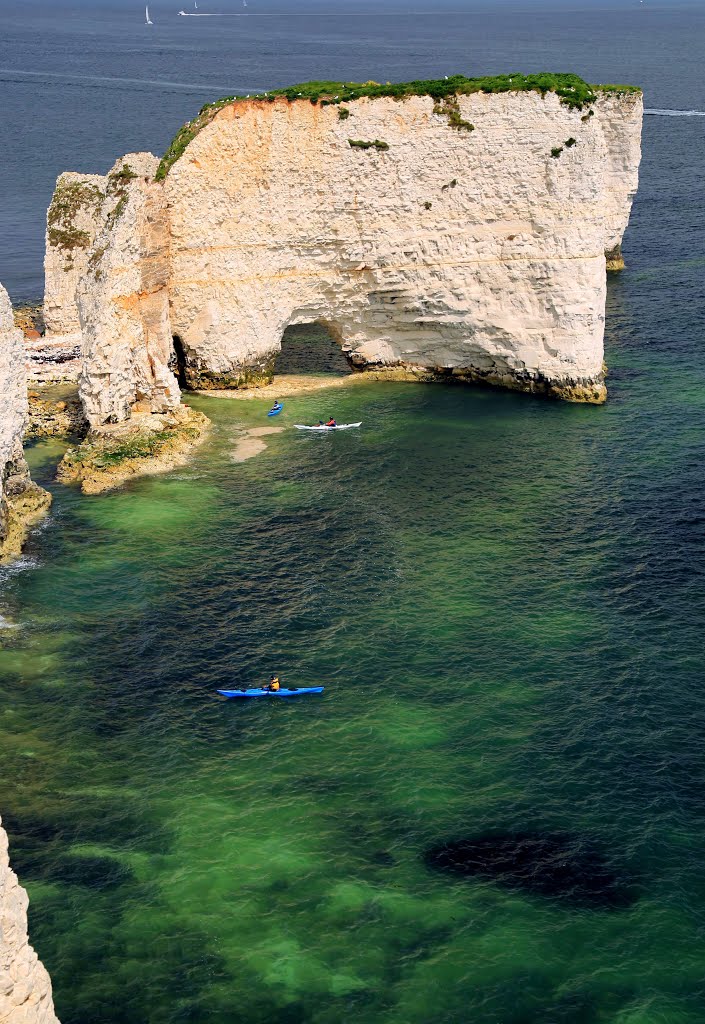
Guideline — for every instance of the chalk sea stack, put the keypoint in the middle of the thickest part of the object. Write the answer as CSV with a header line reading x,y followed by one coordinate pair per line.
x,y
455,229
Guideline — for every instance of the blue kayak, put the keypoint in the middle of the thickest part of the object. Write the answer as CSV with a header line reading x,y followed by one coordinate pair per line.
x,y
260,691
276,409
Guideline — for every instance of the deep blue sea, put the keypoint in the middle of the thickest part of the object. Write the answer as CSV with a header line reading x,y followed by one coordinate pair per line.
x,y
504,597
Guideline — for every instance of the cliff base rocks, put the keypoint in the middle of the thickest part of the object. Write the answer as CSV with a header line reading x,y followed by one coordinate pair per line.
x,y
23,505
147,444
590,391
614,261
587,390
55,417
53,360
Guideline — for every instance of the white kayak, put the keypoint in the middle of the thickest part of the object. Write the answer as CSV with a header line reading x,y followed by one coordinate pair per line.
x,y
339,426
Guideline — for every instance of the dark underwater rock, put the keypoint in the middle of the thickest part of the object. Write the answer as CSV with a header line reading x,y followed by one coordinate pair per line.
x,y
92,872
557,866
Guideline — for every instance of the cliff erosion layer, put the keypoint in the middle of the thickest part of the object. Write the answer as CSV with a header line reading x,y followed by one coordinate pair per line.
x,y
25,986
463,236
22,503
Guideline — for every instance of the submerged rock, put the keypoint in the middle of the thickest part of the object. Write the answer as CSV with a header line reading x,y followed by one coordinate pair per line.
x,y
251,443
557,866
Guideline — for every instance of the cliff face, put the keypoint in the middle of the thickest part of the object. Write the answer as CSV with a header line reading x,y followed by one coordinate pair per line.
x,y
73,220
123,300
620,118
475,251
465,237
22,503
25,987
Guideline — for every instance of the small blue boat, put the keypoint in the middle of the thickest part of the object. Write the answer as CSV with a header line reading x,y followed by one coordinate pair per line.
x,y
260,691
276,409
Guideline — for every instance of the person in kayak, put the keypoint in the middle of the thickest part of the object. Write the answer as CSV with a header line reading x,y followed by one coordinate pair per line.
x,y
274,684
276,407
331,423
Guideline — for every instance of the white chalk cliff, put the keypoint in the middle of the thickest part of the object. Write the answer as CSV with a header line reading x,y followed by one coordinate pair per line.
x,y
25,986
476,253
22,502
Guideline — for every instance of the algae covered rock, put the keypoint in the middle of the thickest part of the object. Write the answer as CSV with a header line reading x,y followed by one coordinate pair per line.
x,y
147,444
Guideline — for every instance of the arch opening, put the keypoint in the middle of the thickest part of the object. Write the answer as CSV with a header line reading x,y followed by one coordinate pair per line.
x,y
311,348
177,364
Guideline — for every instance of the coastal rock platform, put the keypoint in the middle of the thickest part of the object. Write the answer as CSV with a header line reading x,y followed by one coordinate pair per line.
x,y
148,444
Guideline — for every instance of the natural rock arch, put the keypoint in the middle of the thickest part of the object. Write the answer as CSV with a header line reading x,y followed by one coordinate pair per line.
x,y
474,253
308,346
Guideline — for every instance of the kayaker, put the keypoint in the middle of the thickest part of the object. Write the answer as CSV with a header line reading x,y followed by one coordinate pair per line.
x,y
276,407
331,423
274,684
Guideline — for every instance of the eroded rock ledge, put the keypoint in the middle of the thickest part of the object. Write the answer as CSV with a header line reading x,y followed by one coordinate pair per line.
x,y
444,233
147,444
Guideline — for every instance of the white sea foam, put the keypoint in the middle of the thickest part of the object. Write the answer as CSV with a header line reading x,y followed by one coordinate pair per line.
x,y
675,113
21,565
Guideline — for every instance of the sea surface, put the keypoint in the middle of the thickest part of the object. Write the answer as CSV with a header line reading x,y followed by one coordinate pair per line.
x,y
495,814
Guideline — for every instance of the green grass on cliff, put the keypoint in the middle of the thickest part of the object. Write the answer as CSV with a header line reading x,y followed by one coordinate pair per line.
x,y
573,91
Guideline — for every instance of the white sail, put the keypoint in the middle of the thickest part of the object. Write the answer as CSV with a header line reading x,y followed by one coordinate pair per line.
x,y
146,14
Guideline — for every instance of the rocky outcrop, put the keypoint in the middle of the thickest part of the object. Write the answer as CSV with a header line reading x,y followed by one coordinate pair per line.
x,y
73,220
25,986
55,417
465,237
123,301
148,443
22,503
129,392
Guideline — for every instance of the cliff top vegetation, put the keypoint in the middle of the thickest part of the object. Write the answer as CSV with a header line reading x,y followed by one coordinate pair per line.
x,y
573,91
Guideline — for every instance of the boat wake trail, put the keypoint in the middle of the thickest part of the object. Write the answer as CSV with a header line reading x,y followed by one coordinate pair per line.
x,y
676,113
101,80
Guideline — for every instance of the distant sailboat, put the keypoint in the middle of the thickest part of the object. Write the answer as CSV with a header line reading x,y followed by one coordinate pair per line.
x,y
195,5
146,14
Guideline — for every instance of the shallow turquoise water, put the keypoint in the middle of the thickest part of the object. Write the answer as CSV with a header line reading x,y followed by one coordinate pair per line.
x,y
503,598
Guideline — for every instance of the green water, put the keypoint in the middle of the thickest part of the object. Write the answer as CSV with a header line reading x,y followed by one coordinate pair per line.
x,y
498,594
